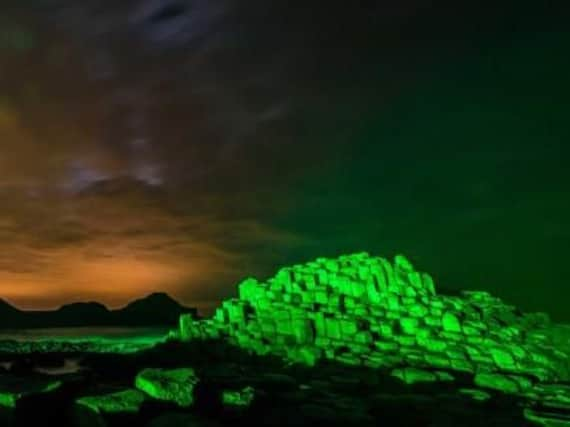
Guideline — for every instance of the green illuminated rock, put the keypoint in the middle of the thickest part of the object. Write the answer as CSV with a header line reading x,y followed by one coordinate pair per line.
x,y
175,385
238,398
498,382
363,310
121,402
415,375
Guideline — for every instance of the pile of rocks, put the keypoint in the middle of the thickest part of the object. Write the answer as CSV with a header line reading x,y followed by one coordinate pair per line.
x,y
363,310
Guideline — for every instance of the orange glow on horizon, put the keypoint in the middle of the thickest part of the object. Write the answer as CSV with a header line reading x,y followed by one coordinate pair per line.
x,y
111,281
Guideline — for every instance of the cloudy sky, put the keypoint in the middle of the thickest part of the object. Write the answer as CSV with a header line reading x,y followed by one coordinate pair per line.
x,y
179,146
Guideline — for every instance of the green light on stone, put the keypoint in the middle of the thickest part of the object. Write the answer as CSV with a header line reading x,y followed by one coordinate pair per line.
x,y
175,385
126,401
363,310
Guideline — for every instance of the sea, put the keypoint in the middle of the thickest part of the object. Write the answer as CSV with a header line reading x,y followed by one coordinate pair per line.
x,y
114,336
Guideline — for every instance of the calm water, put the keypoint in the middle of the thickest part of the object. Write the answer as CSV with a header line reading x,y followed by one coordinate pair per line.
x,y
73,334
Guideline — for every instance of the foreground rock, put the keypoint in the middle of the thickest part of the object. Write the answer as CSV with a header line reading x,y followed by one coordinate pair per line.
x,y
95,411
175,385
121,402
547,419
238,398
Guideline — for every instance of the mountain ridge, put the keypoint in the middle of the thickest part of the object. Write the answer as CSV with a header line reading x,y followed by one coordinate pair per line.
x,y
155,309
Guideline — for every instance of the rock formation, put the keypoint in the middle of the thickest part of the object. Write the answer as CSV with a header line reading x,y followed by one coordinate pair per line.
x,y
363,310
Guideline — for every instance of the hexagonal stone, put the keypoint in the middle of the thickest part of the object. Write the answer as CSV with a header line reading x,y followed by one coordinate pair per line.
x,y
348,327
393,302
428,284
434,345
408,301
417,310
481,358
387,347
410,292
409,325
497,382
332,328
386,330
363,337
406,340
402,263
469,330
393,315
456,353
473,339
414,375
238,398
450,322
433,321
452,336
502,358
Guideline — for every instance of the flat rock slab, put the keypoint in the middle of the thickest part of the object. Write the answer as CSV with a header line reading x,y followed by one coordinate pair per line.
x,y
170,385
121,402
238,398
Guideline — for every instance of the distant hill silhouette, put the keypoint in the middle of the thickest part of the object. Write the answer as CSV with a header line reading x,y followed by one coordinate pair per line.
x,y
157,309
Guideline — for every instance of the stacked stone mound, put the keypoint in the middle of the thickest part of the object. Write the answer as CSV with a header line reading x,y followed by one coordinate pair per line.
x,y
364,310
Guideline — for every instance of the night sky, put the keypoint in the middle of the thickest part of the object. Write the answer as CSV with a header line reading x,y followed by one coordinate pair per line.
x,y
179,146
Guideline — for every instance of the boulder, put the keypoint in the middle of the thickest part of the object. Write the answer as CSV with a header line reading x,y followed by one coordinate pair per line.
x,y
98,410
238,398
174,385
120,402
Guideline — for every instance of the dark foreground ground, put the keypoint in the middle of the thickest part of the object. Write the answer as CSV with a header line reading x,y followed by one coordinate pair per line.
x,y
285,395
